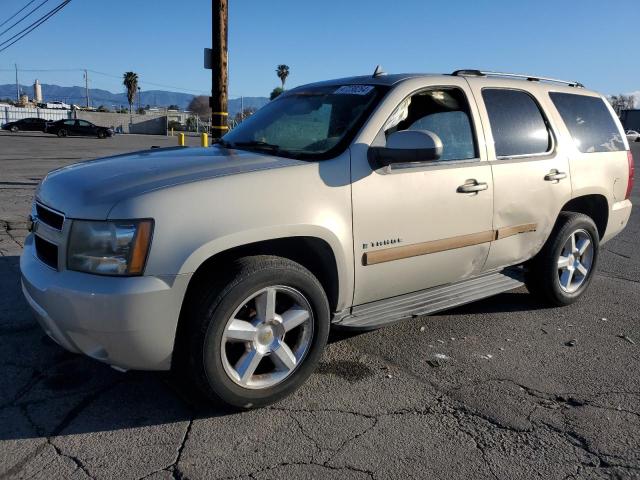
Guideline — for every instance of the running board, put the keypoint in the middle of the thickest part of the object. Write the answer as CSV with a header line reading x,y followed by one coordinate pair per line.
x,y
432,300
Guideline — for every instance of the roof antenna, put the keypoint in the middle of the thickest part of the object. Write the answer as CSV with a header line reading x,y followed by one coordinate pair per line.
x,y
378,72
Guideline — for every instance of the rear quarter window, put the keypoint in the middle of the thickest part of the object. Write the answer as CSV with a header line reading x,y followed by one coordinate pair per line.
x,y
517,124
589,122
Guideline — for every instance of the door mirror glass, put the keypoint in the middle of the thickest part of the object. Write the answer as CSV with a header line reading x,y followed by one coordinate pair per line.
x,y
407,146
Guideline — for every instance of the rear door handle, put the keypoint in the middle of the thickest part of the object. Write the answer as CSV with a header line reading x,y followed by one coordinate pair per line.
x,y
472,186
555,175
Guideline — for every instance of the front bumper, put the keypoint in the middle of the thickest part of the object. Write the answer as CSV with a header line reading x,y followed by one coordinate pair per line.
x,y
126,322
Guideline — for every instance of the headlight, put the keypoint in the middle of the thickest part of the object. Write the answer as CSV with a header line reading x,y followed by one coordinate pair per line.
x,y
109,248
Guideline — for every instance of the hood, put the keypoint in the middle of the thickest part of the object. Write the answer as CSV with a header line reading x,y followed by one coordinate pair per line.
x,y
89,190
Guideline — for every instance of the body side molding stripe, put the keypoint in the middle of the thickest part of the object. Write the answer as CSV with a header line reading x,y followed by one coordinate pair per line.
x,y
435,246
515,230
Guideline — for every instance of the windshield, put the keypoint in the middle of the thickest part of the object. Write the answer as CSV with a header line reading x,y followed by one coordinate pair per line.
x,y
308,122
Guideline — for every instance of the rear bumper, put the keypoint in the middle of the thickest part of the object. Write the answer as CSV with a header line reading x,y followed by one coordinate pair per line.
x,y
129,323
618,219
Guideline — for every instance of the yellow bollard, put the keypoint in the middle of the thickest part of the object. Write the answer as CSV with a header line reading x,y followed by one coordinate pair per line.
x,y
204,140
181,139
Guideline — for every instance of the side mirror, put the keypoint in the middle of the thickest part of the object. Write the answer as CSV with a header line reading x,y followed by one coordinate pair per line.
x,y
407,146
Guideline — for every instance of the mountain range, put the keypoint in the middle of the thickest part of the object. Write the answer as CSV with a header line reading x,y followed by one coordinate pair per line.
x,y
97,97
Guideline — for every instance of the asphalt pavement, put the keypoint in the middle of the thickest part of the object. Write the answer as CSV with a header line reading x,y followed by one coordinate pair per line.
x,y
499,389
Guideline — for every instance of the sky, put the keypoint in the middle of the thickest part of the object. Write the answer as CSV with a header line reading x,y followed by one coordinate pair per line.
x,y
592,41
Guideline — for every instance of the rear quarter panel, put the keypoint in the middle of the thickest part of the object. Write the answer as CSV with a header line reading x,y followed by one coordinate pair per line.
x,y
601,173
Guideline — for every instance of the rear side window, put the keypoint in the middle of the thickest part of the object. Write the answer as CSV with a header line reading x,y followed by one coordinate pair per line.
x,y
517,124
589,122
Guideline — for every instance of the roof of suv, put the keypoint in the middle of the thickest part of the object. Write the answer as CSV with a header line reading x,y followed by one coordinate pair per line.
x,y
503,78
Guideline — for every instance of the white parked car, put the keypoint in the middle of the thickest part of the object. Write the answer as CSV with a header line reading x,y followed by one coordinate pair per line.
x,y
352,203
633,136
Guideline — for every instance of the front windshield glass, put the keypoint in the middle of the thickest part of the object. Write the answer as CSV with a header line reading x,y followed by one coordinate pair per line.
x,y
308,122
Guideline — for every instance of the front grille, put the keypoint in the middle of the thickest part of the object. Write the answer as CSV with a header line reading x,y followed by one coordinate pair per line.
x,y
47,252
50,217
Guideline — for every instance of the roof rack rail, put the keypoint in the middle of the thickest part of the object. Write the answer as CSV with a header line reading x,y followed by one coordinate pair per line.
x,y
530,78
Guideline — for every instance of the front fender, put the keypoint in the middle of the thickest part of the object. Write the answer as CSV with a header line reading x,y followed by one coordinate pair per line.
x,y
238,239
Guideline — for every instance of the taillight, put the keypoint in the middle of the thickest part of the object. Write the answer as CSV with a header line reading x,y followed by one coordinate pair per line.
x,y
632,169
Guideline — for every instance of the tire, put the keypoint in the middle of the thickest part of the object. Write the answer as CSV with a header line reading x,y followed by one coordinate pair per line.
x,y
62,133
14,129
216,359
101,134
563,286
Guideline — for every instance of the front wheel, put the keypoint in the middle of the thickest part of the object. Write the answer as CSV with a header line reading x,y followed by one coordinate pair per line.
x,y
14,129
101,134
562,271
257,335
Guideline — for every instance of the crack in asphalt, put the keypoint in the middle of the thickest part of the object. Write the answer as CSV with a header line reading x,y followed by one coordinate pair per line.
x,y
176,473
613,276
627,257
69,417
268,468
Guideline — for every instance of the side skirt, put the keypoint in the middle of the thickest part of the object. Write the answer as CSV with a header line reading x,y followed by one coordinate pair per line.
x,y
383,312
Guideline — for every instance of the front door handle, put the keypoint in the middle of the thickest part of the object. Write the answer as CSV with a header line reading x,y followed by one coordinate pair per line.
x,y
472,186
555,175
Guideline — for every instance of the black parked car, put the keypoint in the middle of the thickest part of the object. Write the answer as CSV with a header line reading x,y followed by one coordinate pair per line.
x,y
82,128
27,125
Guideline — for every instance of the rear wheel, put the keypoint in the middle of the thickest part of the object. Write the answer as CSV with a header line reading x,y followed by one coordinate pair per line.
x,y
563,269
257,335
62,133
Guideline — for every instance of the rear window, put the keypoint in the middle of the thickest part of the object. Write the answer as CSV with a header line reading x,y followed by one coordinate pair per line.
x,y
589,122
517,124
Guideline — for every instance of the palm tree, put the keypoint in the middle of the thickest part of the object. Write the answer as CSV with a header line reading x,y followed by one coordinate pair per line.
x,y
283,72
131,83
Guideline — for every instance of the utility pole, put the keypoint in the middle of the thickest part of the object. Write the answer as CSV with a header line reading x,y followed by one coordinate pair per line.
x,y
17,84
86,86
219,68
241,108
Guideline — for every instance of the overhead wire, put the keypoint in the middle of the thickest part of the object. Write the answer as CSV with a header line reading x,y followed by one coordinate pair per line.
x,y
17,13
27,15
26,31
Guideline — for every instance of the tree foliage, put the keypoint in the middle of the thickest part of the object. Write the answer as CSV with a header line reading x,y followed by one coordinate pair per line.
x,y
200,106
130,81
275,93
283,72
622,102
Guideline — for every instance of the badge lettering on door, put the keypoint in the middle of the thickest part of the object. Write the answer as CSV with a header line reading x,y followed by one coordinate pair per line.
x,y
382,243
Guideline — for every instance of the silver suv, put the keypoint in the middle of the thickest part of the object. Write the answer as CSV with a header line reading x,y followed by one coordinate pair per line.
x,y
355,203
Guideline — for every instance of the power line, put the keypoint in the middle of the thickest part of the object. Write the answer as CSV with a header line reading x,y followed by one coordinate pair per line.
x,y
17,13
149,83
33,26
16,23
110,75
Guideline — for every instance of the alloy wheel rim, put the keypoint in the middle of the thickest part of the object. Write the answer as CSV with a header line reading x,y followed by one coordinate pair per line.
x,y
267,337
575,261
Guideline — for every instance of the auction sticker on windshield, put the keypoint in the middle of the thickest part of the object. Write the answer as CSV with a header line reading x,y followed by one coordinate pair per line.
x,y
353,90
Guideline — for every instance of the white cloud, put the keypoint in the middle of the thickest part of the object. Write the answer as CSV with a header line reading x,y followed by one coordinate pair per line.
x,y
636,95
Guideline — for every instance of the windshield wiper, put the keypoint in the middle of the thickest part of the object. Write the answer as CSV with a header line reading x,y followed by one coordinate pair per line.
x,y
259,145
224,143
256,144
